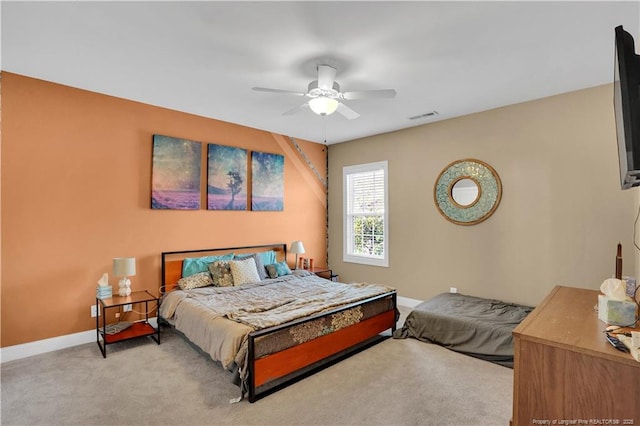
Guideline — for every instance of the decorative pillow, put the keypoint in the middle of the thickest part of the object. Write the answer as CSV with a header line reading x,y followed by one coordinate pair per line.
x,y
268,257
195,265
272,271
202,279
243,256
262,272
244,271
279,269
221,273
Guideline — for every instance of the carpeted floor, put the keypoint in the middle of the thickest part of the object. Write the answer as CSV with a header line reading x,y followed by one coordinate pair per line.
x,y
397,382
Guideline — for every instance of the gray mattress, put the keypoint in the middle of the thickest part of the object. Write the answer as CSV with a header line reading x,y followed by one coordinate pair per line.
x,y
470,325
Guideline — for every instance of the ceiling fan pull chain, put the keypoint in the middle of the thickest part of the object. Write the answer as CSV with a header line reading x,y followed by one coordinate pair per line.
x,y
324,129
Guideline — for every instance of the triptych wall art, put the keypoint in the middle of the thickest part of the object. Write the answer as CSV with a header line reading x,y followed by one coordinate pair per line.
x,y
267,178
176,172
226,178
175,182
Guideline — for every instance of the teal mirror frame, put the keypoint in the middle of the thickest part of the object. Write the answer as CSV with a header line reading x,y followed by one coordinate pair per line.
x,y
489,191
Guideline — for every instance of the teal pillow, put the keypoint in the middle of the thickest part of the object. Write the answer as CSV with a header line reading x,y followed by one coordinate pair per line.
x,y
283,268
268,257
195,265
279,269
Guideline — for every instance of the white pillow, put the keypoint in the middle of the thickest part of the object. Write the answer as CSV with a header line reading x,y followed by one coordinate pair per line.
x,y
244,271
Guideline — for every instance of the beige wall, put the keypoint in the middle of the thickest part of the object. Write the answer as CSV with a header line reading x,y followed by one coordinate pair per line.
x,y
76,186
559,222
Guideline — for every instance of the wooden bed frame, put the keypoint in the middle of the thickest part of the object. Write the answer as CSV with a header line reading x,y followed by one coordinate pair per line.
x,y
276,370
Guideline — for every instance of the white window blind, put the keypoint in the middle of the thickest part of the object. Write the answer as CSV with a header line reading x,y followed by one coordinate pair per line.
x,y
365,214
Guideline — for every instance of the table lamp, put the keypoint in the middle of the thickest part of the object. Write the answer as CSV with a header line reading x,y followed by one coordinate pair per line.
x,y
124,267
297,248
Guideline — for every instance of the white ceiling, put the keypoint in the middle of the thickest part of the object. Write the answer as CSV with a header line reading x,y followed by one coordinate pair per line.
x,y
203,58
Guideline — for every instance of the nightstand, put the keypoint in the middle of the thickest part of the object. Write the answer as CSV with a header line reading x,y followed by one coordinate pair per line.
x,y
324,273
137,329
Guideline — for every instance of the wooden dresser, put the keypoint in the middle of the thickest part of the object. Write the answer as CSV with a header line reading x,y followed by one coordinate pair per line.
x,y
566,371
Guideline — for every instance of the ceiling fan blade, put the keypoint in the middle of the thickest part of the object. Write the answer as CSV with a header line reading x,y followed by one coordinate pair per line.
x,y
370,94
347,112
326,77
288,92
296,109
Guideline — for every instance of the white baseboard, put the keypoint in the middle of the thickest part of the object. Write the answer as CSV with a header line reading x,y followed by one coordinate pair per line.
x,y
11,353
408,302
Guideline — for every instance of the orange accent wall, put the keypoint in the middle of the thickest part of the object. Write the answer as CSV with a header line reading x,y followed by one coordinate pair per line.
x,y
76,185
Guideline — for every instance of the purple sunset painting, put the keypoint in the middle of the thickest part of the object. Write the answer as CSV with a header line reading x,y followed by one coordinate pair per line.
x,y
267,182
226,178
175,175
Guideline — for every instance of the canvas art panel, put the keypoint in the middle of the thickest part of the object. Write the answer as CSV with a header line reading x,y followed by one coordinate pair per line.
x,y
267,181
175,174
226,178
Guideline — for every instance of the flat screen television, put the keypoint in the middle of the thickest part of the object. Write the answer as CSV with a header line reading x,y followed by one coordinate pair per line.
x,y
626,100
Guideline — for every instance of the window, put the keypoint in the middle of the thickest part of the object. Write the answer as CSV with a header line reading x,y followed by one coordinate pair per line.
x,y
366,214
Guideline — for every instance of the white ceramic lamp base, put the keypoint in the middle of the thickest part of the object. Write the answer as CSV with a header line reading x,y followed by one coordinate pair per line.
x,y
124,287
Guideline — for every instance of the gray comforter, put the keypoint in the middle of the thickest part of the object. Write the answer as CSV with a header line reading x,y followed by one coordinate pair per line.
x,y
471,325
218,319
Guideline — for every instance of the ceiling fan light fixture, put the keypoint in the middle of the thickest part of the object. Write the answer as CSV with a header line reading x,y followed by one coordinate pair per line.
x,y
323,105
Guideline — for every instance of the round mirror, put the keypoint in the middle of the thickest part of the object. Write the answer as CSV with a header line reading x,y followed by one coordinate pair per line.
x,y
467,191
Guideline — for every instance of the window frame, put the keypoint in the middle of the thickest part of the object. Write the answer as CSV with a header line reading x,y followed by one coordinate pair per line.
x,y
347,240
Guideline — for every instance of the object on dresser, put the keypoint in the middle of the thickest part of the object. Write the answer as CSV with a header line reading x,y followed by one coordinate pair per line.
x,y
104,290
616,343
633,349
631,286
614,307
619,262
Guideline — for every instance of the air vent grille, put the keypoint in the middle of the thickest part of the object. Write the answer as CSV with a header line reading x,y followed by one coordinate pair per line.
x,y
425,115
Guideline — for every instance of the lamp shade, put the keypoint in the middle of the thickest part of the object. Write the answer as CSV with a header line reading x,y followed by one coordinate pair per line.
x,y
323,105
124,266
297,247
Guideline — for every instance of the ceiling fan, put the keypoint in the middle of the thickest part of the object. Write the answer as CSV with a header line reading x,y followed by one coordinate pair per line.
x,y
325,95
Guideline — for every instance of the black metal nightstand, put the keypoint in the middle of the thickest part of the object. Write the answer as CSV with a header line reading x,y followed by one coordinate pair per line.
x,y
137,329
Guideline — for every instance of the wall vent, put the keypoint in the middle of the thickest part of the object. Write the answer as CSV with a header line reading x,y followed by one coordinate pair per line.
x,y
428,114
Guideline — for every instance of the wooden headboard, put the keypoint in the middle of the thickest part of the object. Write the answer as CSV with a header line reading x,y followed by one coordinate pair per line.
x,y
172,260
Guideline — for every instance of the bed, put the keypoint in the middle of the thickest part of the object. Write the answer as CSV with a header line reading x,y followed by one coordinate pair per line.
x,y
275,330
470,325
